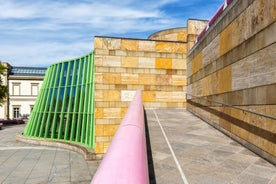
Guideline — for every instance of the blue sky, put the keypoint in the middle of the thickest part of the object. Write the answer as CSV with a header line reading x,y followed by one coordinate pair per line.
x,y
43,32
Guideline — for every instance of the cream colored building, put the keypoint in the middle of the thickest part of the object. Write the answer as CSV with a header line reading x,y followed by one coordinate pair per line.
x,y
23,86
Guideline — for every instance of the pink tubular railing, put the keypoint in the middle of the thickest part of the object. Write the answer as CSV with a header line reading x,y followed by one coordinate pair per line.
x,y
125,161
213,19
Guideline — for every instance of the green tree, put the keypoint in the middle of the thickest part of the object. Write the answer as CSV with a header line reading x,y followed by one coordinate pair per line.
x,y
3,88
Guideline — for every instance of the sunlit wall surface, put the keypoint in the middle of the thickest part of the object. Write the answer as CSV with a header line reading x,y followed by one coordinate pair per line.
x,y
65,105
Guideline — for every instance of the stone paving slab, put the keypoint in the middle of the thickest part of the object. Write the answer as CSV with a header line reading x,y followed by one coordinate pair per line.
x,y
204,154
196,154
32,164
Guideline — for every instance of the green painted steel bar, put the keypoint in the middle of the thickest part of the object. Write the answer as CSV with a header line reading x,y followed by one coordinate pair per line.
x,y
39,117
84,115
70,103
53,78
57,112
64,109
82,93
64,102
76,102
46,112
89,128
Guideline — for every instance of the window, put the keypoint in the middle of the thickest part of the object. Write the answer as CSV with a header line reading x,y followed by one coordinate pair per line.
x,y
34,89
16,112
16,88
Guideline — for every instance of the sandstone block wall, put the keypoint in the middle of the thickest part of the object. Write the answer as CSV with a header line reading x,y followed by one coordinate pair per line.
x,y
235,64
124,65
174,34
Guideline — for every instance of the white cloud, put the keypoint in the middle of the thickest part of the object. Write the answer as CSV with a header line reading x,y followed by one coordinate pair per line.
x,y
43,54
43,32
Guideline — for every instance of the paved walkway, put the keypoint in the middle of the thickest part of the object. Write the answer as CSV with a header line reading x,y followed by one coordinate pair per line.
x,y
184,150
22,163
190,151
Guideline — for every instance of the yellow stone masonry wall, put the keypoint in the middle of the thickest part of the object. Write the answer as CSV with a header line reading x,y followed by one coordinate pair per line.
x,y
175,34
235,64
123,66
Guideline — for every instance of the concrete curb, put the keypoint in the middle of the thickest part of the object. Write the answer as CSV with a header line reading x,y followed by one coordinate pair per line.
x,y
85,151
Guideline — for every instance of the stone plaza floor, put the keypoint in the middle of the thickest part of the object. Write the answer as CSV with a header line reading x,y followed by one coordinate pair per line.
x,y
22,163
184,149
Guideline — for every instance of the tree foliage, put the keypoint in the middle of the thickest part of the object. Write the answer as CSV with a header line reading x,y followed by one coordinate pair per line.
x,y
3,88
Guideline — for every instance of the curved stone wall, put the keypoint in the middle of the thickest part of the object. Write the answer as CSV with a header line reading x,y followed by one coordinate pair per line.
x,y
64,109
174,34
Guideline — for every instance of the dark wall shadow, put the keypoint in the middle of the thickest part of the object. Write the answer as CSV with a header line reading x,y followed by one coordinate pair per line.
x,y
149,153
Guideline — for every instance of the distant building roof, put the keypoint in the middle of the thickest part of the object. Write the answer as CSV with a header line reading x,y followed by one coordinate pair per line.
x,y
27,71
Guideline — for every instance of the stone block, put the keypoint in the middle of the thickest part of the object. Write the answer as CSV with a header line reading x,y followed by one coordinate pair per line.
x,y
163,63
182,36
111,95
195,26
146,45
178,80
167,96
189,69
127,78
120,52
180,48
98,78
101,138
163,79
148,96
111,43
123,112
112,61
225,80
98,95
99,131
99,147
179,64
100,104
197,63
147,79
98,113
98,60
171,72
206,86
270,94
129,45
100,69
102,121
110,130
163,46
120,86
111,113
146,62
225,40
112,52
130,62
101,52
111,78
127,95
211,52
98,43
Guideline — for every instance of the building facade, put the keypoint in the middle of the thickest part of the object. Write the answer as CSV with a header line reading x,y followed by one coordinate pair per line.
x,y
23,84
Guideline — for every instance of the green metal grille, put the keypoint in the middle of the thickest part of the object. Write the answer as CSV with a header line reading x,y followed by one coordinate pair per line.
x,y
65,105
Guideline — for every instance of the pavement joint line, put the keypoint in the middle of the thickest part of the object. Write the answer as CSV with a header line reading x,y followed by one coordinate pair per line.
x,y
172,152
16,166
33,167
